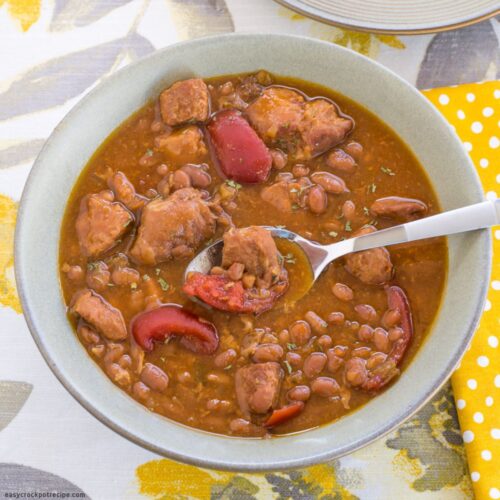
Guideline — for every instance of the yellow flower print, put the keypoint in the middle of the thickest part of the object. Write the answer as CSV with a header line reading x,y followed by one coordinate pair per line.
x,y
8,295
26,12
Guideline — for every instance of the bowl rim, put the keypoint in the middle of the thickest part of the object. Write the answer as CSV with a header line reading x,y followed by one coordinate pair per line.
x,y
211,463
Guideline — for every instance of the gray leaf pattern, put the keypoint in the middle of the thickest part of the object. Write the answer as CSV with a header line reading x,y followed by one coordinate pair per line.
x,y
75,13
459,56
13,395
20,153
56,81
15,478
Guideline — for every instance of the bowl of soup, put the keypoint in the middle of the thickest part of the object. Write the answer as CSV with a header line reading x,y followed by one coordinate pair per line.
x,y
242,367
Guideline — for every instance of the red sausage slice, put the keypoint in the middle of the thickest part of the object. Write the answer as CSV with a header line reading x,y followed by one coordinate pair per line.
x,y
282,415
242,154
158,324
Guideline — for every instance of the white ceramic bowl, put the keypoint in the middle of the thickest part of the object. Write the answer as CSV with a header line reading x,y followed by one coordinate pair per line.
x,y
102,110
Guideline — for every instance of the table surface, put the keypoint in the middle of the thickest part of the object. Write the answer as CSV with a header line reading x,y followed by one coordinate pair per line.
x,y
53,52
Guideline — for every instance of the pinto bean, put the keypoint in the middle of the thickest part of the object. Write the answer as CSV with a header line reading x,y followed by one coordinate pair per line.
x,y
362,352
329,182
349,210
318,324
198,175
340,350
376,359
395,333
279,158
325,387
391,318
74,273
125,276
180,179
225,358
366,312
342,292
267,352
325,341
240,426
118,374
335,318
141,391
300,171
113,352
284,337
299,393
395,207
340,160
355,149
235,271
314,364
294,359
300,332
154,377
98,276
365,333
98,351
381,339
356,373
162,170
125,361
317,200
164,187
334,361
89,335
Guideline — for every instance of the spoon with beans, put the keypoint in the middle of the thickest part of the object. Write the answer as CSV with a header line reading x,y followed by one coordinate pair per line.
x,y
468,218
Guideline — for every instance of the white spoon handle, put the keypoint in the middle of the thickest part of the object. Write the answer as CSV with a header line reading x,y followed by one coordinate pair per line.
x,y
461,220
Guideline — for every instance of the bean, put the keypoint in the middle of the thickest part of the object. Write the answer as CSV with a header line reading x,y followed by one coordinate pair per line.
x,y
118,374
113,352
395,333
340,350
299,393
107,195
219,405
217,270
180,179
366,312
342,292
98,277
269,338
141,391
88,335
184,377
325,387
268,352
235,271
362,352
355,372
225,358
376,359
240,425
198,175
336,318
98,351
284,337
391,318
300,332
164,187
329,182
162,170
294,359
318,324
381,339
75,273
355,149
365,333
279,159
219,378
325,341
154,377
317,200
353,325
125,361
125,276
349,210
314,364
297,377
148,159
334,361
300,171
340,160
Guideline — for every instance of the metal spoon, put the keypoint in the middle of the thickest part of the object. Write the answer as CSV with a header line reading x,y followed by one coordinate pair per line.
x,y
469,218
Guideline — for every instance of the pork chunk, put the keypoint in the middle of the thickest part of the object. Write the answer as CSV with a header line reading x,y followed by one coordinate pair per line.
x,y
373,267
101,223
99,313
254,247
278,195
172,226
257,387
186,101
304,128
125,191
185,145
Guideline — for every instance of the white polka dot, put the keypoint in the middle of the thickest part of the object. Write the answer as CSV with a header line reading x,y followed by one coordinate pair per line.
x,y
478,417
470,97
461,404
489,401
477,127
494,493
495,284
475,476
487,111
468,436
472,384
494,142
461,114
483,361
483,162
497,381
493,341
491,195
444,99
487,305
495,433
496,94
468,146
486,455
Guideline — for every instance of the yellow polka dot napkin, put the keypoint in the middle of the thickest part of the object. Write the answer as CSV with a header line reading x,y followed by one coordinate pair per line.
x,y
474,111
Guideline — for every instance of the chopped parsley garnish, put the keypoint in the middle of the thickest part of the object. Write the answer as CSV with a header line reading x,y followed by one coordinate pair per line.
x,y
372,188
366,210
348,227
290,258
164,285
228,367
91,266
333,234
149,152
110,284
288,367
295,206
127,223
233,184
145,277
387,171
291,346
294,190
157,271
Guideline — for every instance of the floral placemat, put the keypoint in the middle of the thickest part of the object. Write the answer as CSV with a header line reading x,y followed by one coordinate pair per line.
x,y
51,53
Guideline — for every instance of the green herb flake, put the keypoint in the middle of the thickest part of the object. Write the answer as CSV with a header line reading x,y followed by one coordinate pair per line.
x,y
291,346
110,285
164,285
348,227
373,187
387,171
294,190
157,271
133,286
366,211
295,206
228,367
91,266
145,277
290,258
149,152
333,234
233,184
288,367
